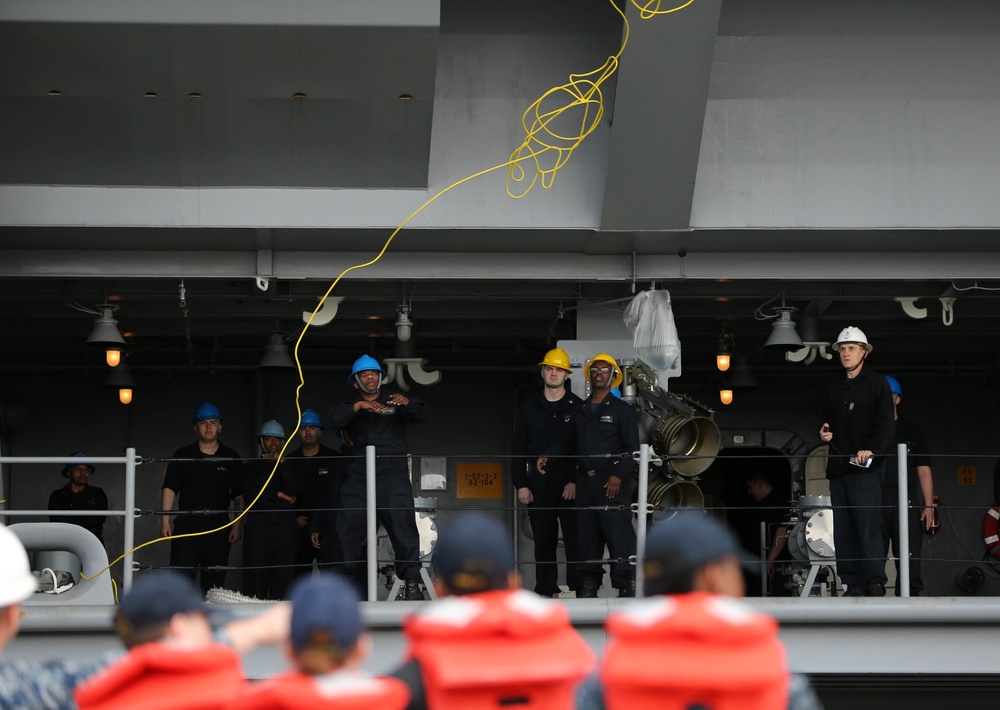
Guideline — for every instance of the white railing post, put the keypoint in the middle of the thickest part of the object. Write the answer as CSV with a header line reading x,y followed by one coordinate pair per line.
x,y
643,504
129,522
903,553
372,521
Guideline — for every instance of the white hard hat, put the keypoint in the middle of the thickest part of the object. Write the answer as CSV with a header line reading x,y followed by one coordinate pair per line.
x,y
852,334
16,581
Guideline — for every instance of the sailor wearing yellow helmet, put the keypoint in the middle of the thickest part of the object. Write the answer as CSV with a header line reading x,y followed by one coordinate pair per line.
x,y
604,425
544,470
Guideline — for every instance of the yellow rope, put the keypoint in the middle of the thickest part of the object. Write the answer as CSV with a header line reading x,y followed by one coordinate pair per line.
x,y
541,138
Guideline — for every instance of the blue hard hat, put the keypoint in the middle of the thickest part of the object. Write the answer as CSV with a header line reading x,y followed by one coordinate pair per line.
x,y
365,362
311,418
272,427
206,410
894,385
67,467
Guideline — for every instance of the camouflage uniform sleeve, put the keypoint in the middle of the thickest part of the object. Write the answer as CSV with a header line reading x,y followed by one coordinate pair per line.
x,y
801,695
41,686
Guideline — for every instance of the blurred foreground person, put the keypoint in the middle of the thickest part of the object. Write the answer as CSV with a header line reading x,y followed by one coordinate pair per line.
x,y
489,643
23,685
175,661
692,644
50,686
327,646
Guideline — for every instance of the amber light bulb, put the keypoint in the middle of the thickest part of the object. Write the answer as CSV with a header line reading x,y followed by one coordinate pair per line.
x,y
125,395
113,357
726,396
722,361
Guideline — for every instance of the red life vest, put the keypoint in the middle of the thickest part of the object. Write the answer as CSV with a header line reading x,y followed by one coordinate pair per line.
x,y
166,676
483,651
340,691
673,652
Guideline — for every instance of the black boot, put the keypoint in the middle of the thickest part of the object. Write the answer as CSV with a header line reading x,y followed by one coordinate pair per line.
x,y
628,590
874,589
411,591
587,586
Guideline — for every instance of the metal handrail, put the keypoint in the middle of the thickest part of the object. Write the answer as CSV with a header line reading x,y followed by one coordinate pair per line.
x,y
128,514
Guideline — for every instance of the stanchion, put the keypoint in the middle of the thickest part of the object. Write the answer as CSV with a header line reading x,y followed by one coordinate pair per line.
x,y
128,524
372,521
643,505
903,553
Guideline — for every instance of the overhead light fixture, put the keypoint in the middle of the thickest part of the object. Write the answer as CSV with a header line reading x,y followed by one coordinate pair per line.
x,y
726,396
105,335
276,355
404,326
723,358
121,379
741,378
783,334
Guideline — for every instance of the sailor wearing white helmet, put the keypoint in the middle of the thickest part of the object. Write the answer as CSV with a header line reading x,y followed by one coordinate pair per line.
x,y
858,425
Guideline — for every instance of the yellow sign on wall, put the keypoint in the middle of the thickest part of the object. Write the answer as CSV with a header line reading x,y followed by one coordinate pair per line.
x,y
966,475
480,480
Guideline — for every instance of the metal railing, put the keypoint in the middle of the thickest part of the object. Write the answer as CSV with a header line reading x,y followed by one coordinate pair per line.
x,y
642,508
128,514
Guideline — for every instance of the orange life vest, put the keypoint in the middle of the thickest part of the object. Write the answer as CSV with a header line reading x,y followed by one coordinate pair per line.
x,y
339,691
483,651
166,676
671,652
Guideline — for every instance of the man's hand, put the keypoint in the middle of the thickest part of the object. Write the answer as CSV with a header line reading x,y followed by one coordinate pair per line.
x,y
524,496
314,539
235,533
285,497
399,400
927,516
373,406
540,463
862,457
824,432
165,530
569,491
612,486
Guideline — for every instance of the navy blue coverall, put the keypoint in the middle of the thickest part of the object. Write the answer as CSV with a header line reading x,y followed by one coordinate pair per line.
x,y
607,428
393,490
859,412
545,428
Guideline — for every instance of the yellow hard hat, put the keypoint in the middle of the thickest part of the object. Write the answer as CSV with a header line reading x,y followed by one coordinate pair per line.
x,y
604,357
557,357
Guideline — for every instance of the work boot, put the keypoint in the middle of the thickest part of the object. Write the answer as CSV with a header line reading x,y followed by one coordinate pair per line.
x,y
874,589
411,591
628,590
854,590
587,586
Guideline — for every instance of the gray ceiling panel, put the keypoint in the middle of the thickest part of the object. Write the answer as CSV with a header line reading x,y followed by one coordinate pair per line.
x,y
208,106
